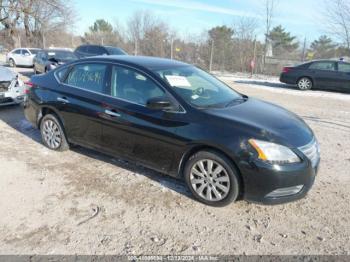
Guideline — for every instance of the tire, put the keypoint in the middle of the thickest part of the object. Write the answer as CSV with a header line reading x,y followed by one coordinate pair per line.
x,y
12,62
52,133
222,192
305,83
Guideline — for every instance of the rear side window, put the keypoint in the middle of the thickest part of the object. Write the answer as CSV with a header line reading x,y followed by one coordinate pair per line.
x,y
90,77
344,67
330,66
61,74
25,52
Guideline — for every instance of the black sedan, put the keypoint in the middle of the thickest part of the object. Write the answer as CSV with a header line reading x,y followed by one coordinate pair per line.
x,y
322,74
179,120
49,59
85,51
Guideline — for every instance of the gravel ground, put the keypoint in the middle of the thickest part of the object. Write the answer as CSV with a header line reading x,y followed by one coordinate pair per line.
x,y
82,202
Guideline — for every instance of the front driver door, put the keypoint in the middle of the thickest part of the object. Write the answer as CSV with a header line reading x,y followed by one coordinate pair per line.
x,y
131,129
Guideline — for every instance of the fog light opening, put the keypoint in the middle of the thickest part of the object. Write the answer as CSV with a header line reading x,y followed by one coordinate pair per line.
x,y
287,191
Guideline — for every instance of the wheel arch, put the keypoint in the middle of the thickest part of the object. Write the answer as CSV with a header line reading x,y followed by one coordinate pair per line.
x,y
44,110
203,147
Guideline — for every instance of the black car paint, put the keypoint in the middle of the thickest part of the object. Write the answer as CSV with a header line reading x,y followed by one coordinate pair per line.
x,y
322,79
164,140
85,51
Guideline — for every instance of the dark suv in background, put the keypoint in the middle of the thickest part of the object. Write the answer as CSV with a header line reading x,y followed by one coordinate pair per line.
x,y
84,51
320,74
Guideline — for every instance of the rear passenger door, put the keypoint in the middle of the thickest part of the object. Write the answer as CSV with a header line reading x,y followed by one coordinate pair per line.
x,y
80,102
344,76
324,74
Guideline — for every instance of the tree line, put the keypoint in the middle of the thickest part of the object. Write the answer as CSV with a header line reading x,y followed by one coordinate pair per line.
x,y
235,47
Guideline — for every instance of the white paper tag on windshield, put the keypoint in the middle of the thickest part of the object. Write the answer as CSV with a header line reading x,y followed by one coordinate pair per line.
x,y
179,81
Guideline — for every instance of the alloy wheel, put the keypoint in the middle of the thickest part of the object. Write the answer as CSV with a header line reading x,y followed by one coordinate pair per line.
x,y
51,134
210,180
304,84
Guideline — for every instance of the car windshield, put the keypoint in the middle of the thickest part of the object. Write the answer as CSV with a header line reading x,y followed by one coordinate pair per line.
x,y
62,55
198,88
34,51
115,51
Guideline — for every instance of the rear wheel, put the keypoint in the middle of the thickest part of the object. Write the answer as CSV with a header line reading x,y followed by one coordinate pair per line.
x,y
305,83
12,62
52,133
212,178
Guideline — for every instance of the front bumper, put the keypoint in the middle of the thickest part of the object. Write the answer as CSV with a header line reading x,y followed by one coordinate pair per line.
x,y
261,181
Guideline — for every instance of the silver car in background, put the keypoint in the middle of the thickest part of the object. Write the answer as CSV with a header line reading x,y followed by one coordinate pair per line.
x,y
12,89
21,57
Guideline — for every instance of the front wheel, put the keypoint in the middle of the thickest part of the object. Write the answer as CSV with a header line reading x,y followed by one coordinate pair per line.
x,y
305,83
212,178
52,133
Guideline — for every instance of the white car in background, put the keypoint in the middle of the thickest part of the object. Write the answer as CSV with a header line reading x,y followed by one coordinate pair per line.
x,y
21,56
12,89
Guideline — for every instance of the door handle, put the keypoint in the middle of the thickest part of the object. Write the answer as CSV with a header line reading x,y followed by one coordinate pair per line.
x,y
63,100
111,113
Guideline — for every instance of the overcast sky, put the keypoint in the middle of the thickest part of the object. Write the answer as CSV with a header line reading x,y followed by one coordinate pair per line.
x,y
301,17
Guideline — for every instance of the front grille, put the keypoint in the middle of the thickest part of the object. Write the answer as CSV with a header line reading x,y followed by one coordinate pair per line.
x,y
4,86
6,100
312,152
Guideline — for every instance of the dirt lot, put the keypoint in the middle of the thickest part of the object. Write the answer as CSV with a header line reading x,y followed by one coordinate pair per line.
x,y
47,197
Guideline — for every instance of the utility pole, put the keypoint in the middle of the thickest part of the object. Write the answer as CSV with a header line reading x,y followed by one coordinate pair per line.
x,y
304,51
211,55
172,48
253,63
136,47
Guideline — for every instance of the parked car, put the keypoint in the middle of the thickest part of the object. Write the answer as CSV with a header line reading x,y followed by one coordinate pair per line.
x,y
84,51
179,120
320,74
11,88
49,59
21,57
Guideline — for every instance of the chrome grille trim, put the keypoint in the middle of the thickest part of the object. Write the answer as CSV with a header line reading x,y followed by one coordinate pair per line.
x,y
312,152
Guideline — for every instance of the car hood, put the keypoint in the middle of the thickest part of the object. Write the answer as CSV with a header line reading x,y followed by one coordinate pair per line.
x,y
267,121
6,74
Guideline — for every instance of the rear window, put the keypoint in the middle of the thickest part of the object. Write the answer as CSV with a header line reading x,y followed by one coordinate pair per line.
x,y
115,51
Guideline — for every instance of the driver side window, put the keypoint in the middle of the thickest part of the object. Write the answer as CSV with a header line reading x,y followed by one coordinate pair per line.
x,y
130,85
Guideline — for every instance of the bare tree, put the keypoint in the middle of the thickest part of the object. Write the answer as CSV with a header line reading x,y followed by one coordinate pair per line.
x,y
337,14
245,33
36,17
269,10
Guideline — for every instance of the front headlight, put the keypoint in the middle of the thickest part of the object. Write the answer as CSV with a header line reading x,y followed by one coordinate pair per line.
x,y
274,153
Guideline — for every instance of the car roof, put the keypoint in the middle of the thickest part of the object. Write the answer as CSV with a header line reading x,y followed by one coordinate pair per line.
x,y
57,49
151,63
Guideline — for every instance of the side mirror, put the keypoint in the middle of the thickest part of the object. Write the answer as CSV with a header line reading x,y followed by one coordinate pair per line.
x,y
159,103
